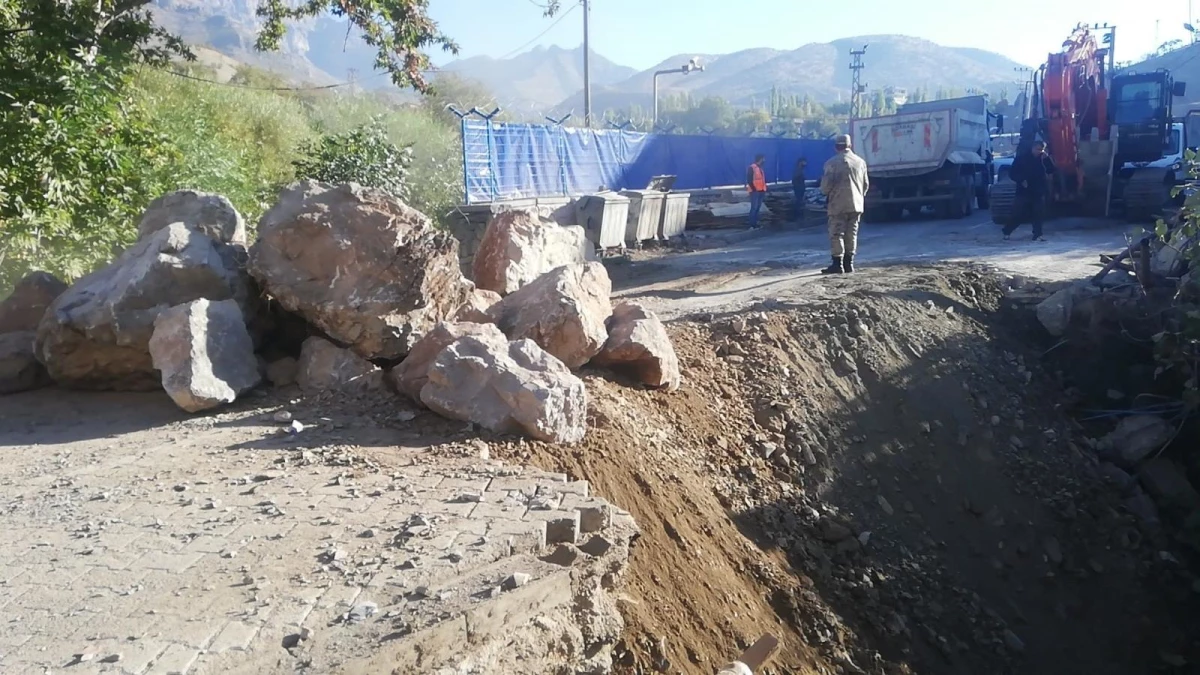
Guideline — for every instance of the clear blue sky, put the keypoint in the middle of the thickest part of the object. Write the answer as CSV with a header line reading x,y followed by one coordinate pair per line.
x,y
640,33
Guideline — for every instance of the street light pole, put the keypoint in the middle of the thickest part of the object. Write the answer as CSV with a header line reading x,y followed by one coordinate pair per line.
x,y
587,62
682,70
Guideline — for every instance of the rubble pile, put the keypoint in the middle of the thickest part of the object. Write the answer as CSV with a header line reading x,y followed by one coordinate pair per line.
x,y
347,289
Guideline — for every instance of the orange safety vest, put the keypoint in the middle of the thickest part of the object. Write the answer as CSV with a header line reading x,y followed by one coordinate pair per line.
x,y
758,183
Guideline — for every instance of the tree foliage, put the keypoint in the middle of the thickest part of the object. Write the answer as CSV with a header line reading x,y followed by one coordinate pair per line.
x,y
399,30
363,155
77,157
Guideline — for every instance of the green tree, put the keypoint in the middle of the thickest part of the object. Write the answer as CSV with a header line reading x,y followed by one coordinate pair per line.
x,y
363,155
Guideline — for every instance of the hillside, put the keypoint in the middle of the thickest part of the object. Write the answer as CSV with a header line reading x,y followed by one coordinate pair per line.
x,y
820,70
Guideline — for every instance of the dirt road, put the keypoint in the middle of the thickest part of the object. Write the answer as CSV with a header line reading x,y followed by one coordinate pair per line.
x,y
784,266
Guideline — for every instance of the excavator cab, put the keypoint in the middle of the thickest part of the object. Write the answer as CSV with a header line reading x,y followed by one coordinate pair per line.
x,y
1140,107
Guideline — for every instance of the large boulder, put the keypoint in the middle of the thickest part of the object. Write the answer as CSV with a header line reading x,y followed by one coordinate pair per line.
x,y
563,311
24,308
519,246
508,388
413,372
205,354
367,269
214,215
19,369
96,335
324,366
1055,312
638,343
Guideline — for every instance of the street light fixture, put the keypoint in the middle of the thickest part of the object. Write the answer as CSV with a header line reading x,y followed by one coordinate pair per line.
x,y
693,64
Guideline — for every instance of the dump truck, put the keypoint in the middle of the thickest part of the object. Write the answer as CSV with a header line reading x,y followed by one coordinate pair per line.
x,y
935,154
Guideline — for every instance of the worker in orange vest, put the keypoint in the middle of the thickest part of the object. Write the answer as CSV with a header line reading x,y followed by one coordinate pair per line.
x,y
756,185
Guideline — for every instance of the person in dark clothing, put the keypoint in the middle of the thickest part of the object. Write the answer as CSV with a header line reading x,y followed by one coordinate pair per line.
x,y
799,212
1031,172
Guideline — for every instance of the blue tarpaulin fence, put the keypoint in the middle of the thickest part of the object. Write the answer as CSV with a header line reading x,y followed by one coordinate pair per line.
x,y
511,161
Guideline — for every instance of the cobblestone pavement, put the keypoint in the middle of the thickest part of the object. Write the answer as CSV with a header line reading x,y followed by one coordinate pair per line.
x,y
219,545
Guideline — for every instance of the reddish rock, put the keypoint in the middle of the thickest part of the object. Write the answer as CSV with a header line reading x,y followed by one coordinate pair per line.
x,y
638,344
563,311
411,375
518,246
508,388
478,304
367,269
24,308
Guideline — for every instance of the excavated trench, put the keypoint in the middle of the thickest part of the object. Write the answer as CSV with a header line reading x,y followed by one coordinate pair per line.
x,y
891,482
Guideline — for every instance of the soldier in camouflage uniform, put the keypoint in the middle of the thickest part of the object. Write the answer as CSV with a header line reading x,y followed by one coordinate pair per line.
x,y
844,184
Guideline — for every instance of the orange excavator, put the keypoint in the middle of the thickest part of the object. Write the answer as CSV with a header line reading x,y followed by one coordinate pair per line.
x,y
1102,131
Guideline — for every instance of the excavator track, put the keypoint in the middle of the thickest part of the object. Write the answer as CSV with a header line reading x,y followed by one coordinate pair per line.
x,y
1003,201
1147,193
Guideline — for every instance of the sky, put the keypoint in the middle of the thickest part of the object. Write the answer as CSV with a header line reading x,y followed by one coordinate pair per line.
x,y
641,33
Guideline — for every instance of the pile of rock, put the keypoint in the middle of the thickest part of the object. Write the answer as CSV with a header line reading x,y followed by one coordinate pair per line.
x,y
346,288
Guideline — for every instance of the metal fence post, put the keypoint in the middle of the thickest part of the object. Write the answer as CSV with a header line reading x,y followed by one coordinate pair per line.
x,y
560,150
462,136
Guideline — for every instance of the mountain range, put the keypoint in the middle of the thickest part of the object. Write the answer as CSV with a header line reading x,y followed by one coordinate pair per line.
x,y
549,80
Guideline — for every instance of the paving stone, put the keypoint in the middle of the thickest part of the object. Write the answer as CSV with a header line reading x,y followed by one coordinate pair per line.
x,y
174,660
235,635
562,527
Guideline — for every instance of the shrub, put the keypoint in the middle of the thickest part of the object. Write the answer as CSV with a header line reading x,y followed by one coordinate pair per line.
x,y
363,155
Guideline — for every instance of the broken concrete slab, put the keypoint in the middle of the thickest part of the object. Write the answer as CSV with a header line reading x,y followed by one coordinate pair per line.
x,y
205,354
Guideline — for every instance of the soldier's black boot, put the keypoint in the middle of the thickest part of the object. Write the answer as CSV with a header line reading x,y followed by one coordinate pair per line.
x,y
835,268
848,263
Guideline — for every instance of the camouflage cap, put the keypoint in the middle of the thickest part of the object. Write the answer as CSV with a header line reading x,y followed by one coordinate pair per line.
x,y
842,139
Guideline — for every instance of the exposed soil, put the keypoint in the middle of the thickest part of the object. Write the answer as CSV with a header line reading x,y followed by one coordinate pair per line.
x,y
918,498
889,481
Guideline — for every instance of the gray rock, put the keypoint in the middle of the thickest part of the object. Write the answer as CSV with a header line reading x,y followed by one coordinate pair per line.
x,y
24,308
96,335
832,530
323,366
1117,476
519,246
212,214
1142,506
371,272
1166,482
204,353
1054,312
19,368
1135,438
515,581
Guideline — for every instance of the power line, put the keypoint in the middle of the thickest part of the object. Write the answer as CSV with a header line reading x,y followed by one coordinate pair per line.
x,y
539,35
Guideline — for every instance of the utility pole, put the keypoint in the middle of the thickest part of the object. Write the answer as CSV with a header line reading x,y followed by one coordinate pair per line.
x,y
587,63
1110,39
857,88
352,77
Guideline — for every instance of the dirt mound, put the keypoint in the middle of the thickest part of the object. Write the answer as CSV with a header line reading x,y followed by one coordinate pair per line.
x,y
889,483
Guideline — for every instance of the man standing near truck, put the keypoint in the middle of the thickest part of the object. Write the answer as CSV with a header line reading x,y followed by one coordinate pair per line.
x,y
844,183
756,185
1031,171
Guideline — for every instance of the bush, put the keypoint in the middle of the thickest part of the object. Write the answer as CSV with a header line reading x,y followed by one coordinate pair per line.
x,y
363,155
